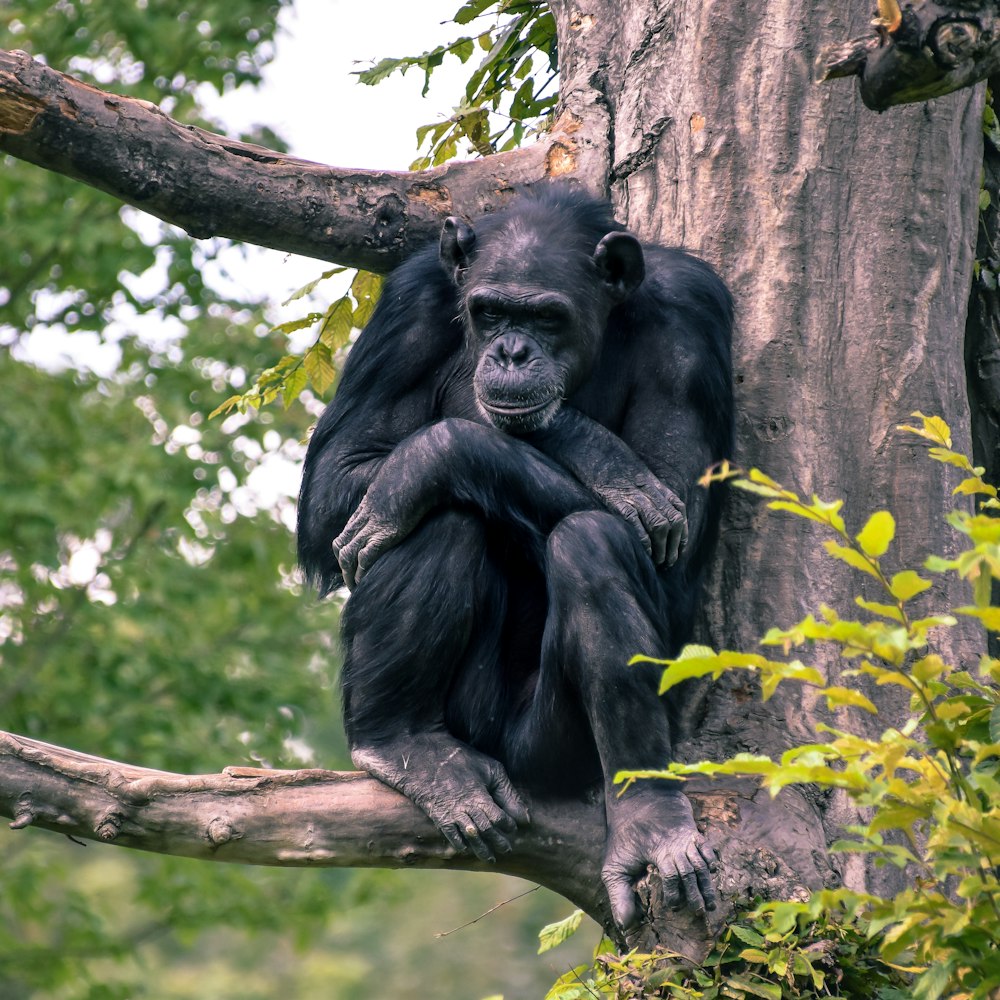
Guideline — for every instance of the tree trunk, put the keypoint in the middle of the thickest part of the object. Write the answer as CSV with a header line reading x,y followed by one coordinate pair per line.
x,y
846,237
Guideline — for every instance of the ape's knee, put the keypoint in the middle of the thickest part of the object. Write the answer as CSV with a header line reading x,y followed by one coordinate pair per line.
x,y
592,547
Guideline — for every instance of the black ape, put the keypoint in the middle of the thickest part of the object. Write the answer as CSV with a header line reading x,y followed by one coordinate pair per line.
x,y
506,479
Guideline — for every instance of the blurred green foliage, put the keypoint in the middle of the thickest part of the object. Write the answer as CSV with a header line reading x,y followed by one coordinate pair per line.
x,y
149,609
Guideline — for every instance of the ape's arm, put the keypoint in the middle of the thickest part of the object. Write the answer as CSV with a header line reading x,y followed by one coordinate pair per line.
x,y
618,478
456,462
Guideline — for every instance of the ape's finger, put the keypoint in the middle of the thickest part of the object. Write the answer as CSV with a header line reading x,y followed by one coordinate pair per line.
x,y
674,548
672,889
474,838
450,833
692,890
706,887
621,895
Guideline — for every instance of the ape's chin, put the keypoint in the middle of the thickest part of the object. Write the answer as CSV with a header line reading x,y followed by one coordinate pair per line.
x,y
520,419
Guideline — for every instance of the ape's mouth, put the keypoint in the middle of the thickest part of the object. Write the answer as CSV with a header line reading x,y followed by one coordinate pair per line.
x,y
520,417
509,410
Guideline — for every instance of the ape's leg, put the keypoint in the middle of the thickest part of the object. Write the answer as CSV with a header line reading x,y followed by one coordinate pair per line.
x,y
427,608
606,605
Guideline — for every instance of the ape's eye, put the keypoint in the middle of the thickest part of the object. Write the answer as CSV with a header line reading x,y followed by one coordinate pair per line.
x,y
488,313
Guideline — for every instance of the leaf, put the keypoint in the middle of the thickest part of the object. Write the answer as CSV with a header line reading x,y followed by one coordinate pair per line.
x,y
933,982
319,367
306,289
297,381
840,696
552,935
337,325
758,989
907,584
934,429
747,935
878,532
995,725
990,617
852,557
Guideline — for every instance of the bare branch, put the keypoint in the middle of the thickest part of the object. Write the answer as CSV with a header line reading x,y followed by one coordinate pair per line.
x,y
210,185
316,818
918,50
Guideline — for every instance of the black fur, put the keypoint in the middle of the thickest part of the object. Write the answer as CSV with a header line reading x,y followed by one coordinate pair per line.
x,y
500,590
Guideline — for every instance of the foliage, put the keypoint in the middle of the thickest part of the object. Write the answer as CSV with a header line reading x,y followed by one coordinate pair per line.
x,y
318,366
815,957
74,243
519,65
931,785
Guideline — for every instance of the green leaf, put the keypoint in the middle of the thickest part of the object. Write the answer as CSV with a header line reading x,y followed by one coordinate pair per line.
x,y
552,935
932,984
995,725
755,987
747,935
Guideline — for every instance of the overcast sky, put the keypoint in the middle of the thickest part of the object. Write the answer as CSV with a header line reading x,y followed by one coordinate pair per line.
x,y
311,98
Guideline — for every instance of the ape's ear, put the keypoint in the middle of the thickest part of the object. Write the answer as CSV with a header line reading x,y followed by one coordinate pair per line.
x,y
620,264
458,241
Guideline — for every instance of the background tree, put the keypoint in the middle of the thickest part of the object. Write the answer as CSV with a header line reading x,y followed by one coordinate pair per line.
x,y
147,605
847,239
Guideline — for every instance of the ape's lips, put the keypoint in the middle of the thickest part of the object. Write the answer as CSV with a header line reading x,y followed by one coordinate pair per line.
x,y
513,410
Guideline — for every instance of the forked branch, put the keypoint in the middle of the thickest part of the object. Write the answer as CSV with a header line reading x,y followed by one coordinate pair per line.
x,y
918,49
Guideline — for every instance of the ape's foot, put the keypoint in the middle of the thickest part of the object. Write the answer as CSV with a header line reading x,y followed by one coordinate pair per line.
x,y
653,826
467,794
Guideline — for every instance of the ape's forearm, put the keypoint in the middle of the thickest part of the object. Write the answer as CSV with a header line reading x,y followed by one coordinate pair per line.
x,y
458,461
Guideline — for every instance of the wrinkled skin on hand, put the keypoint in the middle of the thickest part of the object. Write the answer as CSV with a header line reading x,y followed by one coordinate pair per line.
x,y
467,794
655,512
654,827
383,519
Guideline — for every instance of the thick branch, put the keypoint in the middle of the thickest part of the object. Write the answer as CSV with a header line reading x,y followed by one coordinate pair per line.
x,y
918,50
348,820
213,186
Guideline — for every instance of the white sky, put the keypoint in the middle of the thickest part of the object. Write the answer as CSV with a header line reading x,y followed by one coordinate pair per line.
x,y
311,99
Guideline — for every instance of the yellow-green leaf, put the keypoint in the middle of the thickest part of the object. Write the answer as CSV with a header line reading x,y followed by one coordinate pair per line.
x,y
990,617
319,367
907,584
554,934
875,536
934,429
838,696
852,557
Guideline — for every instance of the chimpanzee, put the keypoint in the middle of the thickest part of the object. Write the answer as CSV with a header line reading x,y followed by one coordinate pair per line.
x,y
506,480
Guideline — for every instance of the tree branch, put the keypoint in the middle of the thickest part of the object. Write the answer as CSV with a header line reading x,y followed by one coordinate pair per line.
x,y
317,818
210,185
918,50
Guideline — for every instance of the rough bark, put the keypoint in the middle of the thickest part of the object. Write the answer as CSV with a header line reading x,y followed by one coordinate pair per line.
x,y
917,51
316,818
847,239
210,185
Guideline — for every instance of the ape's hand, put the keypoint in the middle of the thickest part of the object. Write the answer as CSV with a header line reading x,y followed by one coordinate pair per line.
x,y
383,519
655,827
618,479
654,511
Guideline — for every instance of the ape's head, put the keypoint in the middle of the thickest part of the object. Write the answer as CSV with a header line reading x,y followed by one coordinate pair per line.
x,y
536,291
